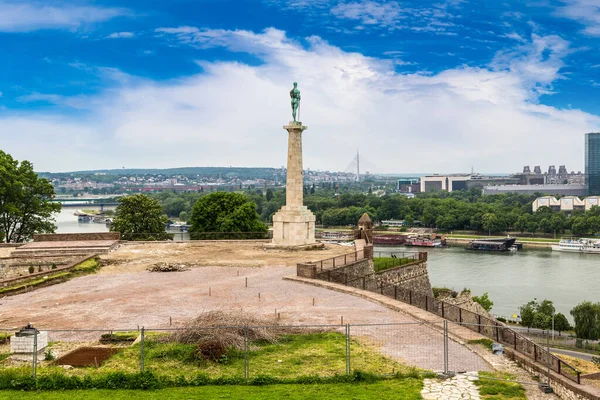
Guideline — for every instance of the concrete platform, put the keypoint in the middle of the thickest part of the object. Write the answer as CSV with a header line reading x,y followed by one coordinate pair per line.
x,y
65,247
301,247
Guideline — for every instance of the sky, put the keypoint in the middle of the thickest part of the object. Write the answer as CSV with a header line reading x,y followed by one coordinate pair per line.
x,y
441,86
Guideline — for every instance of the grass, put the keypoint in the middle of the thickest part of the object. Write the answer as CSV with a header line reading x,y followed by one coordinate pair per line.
x,y
484,342
406,389
586,367
383,263
87,267
322,354
497,386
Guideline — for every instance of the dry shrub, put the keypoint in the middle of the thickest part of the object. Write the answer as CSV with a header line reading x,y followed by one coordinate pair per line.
x,y
216,331
167,267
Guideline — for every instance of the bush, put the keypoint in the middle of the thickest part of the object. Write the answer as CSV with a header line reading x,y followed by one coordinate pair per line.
x,y
53,266
31,269
501,319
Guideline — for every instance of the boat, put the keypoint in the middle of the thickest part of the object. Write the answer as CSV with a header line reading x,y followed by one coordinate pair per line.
x,y
578,245
389,240
84,218
425,241
99,220
496,244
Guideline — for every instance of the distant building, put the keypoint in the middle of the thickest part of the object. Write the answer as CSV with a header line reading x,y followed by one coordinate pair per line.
x,y
408,185
592,163
432,183
550,189
546,201
591,201
571,203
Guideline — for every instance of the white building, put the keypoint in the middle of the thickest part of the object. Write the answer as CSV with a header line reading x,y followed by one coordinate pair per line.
x,y
570,203
591,201
546,201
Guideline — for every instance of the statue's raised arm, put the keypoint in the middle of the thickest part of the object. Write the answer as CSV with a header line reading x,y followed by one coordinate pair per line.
x,y
295,96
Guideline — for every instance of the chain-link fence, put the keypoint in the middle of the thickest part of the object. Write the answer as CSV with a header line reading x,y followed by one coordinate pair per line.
x,y
246,352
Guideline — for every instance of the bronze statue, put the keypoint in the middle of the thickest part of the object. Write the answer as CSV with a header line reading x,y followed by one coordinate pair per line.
x,y
295,95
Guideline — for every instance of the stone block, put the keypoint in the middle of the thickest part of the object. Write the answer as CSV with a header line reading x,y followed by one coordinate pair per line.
x,y
25,344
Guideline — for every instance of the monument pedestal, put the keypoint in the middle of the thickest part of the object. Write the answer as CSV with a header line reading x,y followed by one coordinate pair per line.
x,y
294,224
294,229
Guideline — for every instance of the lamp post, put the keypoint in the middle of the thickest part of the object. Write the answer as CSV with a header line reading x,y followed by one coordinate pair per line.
x,y
552,328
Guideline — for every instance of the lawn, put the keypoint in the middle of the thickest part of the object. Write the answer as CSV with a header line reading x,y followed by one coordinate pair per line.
x,y
405,389
498,386
383,263
322,354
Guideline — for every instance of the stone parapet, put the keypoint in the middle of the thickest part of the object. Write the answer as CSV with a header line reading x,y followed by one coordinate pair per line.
x,y
67,237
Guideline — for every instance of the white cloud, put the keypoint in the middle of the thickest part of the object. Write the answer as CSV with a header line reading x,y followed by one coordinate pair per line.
x,y
120,35
232,113
587,12
370,12
26,16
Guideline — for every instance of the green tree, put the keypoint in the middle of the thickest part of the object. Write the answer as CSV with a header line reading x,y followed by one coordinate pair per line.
x,y
541,321
546,308
269,194
484,301
26,205
139,217
561,323
225,212
184,216
586,315
528,311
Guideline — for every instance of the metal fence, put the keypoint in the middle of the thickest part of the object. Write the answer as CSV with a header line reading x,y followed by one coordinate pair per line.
x,y
491,328
245,351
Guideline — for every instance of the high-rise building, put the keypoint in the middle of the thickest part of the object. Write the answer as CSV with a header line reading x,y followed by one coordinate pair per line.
x,y
592,163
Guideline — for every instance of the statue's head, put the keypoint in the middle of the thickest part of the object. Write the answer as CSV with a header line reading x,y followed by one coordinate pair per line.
x,y
295,84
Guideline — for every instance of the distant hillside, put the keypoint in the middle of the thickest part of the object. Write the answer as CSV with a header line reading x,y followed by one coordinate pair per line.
x,y
240,172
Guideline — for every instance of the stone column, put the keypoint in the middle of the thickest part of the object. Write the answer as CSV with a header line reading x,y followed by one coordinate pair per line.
x,y
294,190
294,223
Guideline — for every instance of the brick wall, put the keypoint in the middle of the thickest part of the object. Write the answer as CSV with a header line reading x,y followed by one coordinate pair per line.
x,y
66,237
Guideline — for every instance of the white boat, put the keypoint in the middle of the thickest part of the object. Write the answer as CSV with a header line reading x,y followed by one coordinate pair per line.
x,y
578,245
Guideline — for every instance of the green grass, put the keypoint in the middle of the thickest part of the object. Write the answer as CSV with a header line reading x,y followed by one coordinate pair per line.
x,y
484,342
497,386
87,267
383,263
322,354
406,389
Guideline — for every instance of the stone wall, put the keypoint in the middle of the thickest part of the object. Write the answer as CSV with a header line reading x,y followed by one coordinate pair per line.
x,y
348,272
562,386
68,237
19,266
412,277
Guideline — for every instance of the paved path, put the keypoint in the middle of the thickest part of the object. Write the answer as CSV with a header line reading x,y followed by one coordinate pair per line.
x,y
458,387
576,354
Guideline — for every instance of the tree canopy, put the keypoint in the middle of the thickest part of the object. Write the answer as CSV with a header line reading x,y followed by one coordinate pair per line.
x,y
225,212
26,205
139,217
587,320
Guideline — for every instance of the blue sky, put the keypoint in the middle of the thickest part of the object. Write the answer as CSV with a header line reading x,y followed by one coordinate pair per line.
x,y
437,86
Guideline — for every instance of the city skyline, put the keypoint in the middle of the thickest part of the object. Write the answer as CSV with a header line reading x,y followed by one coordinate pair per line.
x,y
106,84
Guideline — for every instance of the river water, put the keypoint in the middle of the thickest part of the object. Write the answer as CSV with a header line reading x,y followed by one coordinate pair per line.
x,y
514,278
511,279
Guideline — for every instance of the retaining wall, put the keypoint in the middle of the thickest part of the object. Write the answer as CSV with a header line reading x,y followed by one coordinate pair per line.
x,y
69,237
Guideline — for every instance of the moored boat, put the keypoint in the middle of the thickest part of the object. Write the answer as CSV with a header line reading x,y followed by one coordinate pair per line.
x,y
425,241
496,244
582,245
389,240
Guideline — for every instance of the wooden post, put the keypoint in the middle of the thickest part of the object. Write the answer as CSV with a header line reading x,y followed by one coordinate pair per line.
x,y
443,310
515,336
460,315
246,282
478,323
410,297
395,292
426,303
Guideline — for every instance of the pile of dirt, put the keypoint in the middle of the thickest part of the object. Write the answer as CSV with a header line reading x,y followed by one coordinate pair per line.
x,y
168,267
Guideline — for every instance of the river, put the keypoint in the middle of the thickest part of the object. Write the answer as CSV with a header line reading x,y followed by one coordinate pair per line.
x,y
511,279
514,278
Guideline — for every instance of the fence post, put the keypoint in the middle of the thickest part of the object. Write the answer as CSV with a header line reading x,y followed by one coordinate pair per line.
x,y
363,283
348,349
34,358
478,323
245,352
395,292
445,347
515,336
333,262
142,350
460,315
497,333
443,309
345,259
426,303
410,297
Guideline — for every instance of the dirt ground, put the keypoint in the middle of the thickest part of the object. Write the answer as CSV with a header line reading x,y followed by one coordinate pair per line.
x,y
124,295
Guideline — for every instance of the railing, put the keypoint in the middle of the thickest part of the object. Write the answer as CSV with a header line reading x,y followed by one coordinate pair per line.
x,y
476,322
339,261
483,325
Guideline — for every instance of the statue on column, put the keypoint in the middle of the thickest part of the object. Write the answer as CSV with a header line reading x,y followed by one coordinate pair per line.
x,y
295,95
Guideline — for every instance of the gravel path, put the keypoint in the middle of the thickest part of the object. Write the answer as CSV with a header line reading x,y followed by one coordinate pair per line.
x,y
130,299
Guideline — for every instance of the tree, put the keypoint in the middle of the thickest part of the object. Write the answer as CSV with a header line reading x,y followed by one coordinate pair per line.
x,y
26,205
139,217
225,212
546,308
269,194
561,323
183,216
586,315
528,311
484,301
541,321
